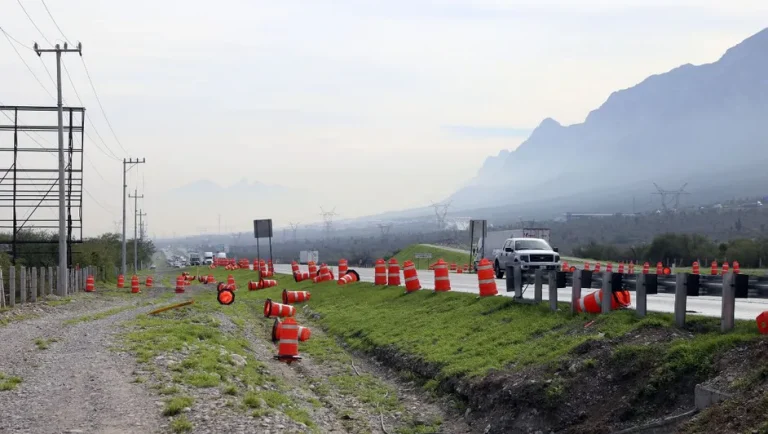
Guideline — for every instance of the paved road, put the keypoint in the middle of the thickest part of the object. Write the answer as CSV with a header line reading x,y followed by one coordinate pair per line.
x,y
747,309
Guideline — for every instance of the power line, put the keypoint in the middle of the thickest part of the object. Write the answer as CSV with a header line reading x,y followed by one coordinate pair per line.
x,y
33,22
98,203
54,21
103,112
27,65
16,40
88,117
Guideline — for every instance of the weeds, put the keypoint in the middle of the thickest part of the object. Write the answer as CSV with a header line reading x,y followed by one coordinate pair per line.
x,y
8,383
176,405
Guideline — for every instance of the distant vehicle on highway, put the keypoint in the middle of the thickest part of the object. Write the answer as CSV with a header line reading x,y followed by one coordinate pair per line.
x,y
529,253
194,258
207,258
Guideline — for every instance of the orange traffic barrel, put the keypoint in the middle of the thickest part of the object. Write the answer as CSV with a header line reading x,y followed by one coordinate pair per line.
x,y
210,279
593,302
380,272
695,268
288,343
646,268
294,267
621,268
231,280
120,281
393,273
272,309
323,275
442,281
725,267
312,268
148,282
255,285
268,283
290,297
659,268
586,266
349,277
736,267
135,284
304,334
271,267
564,266
631,267
667,271
713,268
453,267
485,278
226,296
298,277
762,322
89,284
343,267
609,267
411,276
180,284
597,267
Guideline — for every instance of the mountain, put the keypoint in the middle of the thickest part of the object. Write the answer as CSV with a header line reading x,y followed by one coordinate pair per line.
x,y
680,126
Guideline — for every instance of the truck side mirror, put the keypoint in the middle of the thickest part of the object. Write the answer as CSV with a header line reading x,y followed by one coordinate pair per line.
x,y
556,250
508,249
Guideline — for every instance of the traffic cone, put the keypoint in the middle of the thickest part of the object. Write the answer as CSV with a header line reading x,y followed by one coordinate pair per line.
x,y
148,282
288,343
411,276
442,281
180,285
120,281
135,284
226,296
272,309
291,297
89,282
485,278
349,277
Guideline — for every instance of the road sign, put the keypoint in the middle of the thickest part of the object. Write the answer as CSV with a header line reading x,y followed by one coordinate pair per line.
x,y
422,255
262,228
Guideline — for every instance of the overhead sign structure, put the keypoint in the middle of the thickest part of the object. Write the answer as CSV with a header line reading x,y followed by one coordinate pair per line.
x,y
262,229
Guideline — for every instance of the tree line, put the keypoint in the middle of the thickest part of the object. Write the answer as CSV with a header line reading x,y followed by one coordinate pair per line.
x,y
103,251
681,249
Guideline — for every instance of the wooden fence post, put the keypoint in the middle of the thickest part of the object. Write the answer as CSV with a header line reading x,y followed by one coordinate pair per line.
x,y
23,285
32,284
641,295
50,280
12,286
553,291
2,289
681,299
538,281
575,291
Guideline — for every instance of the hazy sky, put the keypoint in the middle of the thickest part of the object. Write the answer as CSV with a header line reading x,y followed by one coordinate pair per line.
x,y
367,106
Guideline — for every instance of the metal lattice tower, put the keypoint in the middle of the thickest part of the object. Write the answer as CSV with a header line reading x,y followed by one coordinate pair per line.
x,y
441,209
294,229
669,196
384,228
328,220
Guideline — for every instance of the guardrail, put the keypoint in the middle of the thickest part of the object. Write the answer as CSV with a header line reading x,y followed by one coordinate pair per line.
x,y
729,287
27,285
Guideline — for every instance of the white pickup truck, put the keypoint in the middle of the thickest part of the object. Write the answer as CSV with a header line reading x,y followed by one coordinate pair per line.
x,y
529,253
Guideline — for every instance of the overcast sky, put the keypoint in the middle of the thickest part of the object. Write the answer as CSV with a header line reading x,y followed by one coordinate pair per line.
x,y
367,106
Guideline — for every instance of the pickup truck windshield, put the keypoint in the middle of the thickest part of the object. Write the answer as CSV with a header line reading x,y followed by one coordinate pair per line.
x,y
531,245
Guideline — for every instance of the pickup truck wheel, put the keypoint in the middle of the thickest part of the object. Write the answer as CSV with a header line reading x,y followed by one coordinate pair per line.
x,y
499,272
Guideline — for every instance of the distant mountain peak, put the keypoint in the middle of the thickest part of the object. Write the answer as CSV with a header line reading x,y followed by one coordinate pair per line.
x,y
755,45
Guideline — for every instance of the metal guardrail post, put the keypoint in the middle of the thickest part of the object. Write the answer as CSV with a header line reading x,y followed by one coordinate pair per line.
x,y
12,286
681,298
728,313
641,296
607,291
23,285
518,273
575,291
553,291
538,281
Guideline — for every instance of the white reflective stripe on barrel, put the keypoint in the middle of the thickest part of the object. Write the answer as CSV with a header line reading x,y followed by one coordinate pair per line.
x,y
440,266
441,278
484,282
289,341
409,267
411,279
484,267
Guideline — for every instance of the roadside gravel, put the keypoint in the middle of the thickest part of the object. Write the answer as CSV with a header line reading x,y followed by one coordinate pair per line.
x,y
76,384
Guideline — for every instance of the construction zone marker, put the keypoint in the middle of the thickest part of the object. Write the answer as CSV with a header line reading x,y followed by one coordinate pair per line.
x,y
291,297
272,309
350,276
173,306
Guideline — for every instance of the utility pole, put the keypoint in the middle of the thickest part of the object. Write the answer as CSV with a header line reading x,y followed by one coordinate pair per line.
x,y
127,165
141,228
135,198
62,281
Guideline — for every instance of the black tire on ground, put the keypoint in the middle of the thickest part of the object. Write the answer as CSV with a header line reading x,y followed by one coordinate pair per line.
x,y
499,272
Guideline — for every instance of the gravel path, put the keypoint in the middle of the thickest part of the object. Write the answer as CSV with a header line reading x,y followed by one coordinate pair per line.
x,y
77,384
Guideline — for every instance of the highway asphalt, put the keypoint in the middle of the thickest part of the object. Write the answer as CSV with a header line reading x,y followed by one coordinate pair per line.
x,y
747,309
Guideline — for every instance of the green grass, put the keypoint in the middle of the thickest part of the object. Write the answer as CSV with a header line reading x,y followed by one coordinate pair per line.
x,y
60,302
8,383
17,318
43,344
176,405
181,424
168,390
100,315
367,389
466,335
448,256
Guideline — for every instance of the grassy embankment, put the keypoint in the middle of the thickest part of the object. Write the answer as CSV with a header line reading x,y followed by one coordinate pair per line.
x,y
449,256
462,336
466,335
